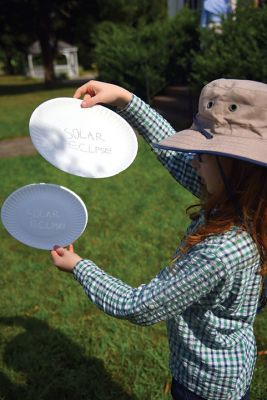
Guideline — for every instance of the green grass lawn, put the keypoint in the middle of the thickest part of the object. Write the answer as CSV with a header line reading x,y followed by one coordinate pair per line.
x,y
19,96
54,344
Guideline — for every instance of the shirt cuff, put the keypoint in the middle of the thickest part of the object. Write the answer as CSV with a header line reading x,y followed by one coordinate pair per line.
x,y
81,269
131,108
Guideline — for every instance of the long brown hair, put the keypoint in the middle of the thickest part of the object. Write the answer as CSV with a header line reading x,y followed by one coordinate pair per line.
x,y
249,183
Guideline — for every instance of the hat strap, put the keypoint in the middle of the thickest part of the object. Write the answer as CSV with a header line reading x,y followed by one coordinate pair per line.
x,y
200,129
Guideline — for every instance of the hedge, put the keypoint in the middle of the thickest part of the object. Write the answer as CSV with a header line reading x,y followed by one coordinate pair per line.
x,y
176,50
239,51
146,58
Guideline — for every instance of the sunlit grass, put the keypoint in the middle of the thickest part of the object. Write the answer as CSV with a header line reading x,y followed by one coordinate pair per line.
x,y
134,226
19,96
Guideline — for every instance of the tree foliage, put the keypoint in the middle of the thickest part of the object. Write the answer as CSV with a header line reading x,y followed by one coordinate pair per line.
x,y
24,21
132,13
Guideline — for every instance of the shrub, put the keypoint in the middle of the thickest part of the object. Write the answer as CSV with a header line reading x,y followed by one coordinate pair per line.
x,y
144,59
134,58
239,51
183,39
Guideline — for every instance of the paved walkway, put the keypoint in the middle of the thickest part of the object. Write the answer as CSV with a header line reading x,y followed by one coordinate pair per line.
x,y
16,147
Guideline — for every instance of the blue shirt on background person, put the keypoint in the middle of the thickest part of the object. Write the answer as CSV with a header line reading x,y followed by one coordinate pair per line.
x,y
213,10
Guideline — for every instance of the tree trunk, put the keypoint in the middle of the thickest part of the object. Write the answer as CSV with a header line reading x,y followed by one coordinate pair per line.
x,y
48,52
47,44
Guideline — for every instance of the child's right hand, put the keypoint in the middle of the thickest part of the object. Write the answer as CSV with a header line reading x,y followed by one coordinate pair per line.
x,y
94,92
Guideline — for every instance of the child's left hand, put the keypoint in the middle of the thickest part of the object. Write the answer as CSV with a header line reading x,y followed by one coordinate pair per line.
x,y
64,258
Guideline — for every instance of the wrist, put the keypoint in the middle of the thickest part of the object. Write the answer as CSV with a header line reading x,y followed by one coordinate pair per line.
x,y
76,261
123,102
77,264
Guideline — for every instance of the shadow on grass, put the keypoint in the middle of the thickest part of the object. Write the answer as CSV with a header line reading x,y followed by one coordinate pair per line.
x,y
7,89
51,366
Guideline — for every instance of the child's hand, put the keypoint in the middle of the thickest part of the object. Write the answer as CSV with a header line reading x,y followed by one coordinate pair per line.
x,y
94,92
65,259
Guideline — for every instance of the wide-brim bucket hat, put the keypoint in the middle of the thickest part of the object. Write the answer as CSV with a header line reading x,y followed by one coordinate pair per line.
x,y
231,121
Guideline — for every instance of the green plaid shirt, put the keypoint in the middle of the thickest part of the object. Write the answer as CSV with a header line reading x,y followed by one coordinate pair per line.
x,y
208,297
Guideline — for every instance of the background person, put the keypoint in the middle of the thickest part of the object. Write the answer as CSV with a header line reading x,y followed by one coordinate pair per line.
x,y
214,10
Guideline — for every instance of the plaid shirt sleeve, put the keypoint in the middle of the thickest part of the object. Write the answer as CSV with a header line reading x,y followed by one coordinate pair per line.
x,y
172,291
153,127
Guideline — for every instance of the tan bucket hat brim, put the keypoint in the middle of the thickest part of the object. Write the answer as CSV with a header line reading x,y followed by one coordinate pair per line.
x,y
231,122
191,141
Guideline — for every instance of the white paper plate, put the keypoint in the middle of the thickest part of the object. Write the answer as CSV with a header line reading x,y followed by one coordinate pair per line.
x,y
90,142
44,215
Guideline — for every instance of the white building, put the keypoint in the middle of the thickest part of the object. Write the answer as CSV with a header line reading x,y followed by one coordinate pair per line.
x,y
67,55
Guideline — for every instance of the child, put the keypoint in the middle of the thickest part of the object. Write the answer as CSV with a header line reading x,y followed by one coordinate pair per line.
x,y
209,295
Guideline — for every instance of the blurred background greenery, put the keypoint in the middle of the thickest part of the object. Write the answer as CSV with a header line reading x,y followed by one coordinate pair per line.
x,y
135,44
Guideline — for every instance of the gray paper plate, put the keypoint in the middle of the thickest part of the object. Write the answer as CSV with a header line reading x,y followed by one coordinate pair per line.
x,y
44,215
